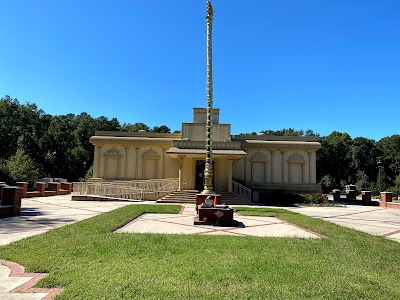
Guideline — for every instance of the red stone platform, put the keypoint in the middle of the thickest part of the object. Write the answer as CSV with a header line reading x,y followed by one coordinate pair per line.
x,y
215,216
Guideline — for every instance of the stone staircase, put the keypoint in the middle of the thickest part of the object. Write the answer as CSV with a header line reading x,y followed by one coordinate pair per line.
x,y
185,196
231,198
189,196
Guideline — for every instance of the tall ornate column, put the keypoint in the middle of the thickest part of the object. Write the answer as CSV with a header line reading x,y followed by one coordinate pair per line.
x,y
208,172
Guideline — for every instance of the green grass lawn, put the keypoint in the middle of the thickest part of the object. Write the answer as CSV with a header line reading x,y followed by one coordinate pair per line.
x,y
91,262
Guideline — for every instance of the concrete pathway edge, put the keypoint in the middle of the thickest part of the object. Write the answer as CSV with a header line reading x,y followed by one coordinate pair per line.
x,y
19,271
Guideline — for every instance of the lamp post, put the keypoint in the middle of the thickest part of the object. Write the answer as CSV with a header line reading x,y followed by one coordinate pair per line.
x,y
379,162
54,163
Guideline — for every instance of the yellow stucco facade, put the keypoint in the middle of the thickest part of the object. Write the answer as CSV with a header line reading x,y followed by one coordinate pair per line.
x,y
259,162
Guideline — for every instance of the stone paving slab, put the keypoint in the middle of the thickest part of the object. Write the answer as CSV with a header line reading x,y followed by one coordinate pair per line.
x,y
44,213
41,214
373,220
15,284
183,224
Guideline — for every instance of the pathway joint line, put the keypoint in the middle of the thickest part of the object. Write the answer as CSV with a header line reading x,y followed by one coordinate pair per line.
x,y
350,214
85,209
391,233
27,287
307,230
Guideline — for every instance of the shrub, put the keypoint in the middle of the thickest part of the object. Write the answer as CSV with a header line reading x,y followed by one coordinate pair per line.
x,y
21,167
284,198
314,199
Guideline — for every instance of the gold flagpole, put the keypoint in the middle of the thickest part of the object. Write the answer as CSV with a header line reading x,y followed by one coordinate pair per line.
x,y
208,172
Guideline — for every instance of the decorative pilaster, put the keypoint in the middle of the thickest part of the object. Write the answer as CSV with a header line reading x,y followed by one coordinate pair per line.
x,y
180,179
99,162
163,163
96,162
285,167
271,173
208,172
313,168
126,162
230,164
137,163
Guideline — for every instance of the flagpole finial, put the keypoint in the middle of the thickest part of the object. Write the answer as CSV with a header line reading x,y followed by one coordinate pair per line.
x,y
210,11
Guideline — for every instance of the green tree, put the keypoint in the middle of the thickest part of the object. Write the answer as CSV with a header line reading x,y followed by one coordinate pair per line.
x,y
364,156
21,167
390,158
4,173
21,126
161,129
284,132
128,127
335,159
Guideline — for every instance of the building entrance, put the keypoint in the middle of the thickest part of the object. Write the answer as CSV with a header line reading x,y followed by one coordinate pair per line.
x,y
199,180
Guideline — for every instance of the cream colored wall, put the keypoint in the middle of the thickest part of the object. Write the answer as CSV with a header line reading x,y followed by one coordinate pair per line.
x,y
221,175
171,167
238,169
200,115
188,173
276,168
197,132
260,166
132,165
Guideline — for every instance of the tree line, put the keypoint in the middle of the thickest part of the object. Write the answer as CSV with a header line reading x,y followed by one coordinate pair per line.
x,y
35,144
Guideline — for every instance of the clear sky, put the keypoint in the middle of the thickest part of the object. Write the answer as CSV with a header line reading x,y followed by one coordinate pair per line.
x,y
311,64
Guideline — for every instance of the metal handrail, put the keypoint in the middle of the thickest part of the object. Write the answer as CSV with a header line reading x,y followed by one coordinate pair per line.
x,y
135,189
242,190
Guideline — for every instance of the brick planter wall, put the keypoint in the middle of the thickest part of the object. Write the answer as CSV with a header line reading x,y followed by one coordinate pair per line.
x,y
393,205
41,187
386,201
386,197
2,185
366,195
24,186
55,187
12,196
67,186
336,194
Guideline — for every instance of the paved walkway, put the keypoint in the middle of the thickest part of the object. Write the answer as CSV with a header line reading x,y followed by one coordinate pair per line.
x,y
373,220
39,215
183,224
15,284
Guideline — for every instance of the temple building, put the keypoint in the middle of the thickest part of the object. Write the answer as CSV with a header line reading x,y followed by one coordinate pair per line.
x,y
205,156
259,162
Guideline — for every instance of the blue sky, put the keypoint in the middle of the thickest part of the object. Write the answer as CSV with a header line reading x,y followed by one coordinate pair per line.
x,y
312,64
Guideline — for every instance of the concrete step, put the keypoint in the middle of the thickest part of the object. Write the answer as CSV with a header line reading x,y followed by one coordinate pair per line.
x,y
231,198
189,196
186,196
